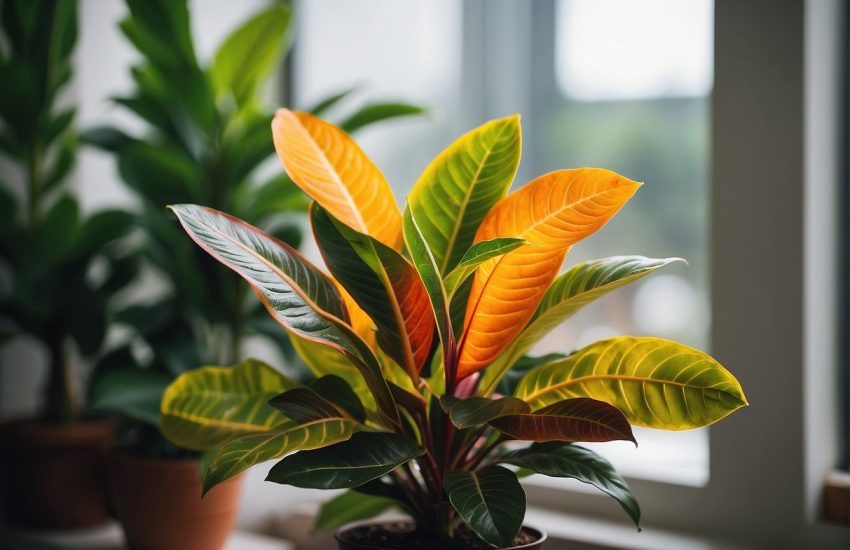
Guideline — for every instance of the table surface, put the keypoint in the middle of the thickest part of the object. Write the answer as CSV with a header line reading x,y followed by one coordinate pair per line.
x,y
110,537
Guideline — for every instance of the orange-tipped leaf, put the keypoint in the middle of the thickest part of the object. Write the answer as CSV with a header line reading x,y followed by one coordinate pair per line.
x,y
551,214
332,169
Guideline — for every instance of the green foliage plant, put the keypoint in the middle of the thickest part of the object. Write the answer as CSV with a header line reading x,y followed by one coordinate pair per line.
x,y
60,268
205,142
413,337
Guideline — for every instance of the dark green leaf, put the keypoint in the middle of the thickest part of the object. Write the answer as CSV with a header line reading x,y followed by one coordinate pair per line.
x,y
376,112
296,293
337,391
348,507
477,411
364,457
59,229
558,459
491,501
384,284
326,103
131,391
106,138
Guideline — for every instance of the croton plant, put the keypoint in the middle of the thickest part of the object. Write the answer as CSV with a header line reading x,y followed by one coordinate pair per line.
x,y
423,396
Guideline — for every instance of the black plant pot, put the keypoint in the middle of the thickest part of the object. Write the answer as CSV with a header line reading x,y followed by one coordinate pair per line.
x,y
373,536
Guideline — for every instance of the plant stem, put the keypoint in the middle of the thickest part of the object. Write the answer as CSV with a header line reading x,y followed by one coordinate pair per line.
x,y
36,182
62,406
486,450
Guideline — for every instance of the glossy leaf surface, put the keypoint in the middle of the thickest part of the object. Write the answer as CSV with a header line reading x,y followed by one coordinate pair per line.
x,y
295,293
579,419
551,213
240,454
475,256
491,501
570,292
364,457
656,383
557,459
460,186
209,406
477,411
424,262
384,284
329,166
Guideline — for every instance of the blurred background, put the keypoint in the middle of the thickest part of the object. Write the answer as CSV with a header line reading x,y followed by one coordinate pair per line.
x,y
621,84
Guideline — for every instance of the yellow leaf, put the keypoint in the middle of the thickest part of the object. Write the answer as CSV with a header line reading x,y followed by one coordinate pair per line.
x,y
551,214
329,166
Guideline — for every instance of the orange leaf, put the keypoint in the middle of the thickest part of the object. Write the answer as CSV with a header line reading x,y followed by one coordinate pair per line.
x,y
329,166
551,213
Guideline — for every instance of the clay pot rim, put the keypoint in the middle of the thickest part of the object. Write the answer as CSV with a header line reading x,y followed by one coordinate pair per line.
x,y
36,433
123,453
340,533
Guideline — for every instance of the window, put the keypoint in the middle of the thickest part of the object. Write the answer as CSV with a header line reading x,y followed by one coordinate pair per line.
x,y
674,127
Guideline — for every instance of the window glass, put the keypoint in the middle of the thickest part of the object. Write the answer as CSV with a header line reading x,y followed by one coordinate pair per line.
x,y
634,80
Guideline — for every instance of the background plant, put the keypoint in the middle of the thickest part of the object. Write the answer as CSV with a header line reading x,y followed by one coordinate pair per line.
x,y
430,311
60,269
206,142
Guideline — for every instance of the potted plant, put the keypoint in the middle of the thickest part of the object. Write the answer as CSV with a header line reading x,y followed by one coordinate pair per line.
x,y
60,272
206,142
413,336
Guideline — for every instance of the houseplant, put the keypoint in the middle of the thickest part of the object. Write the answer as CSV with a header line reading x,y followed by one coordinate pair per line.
x,y
60,270
205,141
420,324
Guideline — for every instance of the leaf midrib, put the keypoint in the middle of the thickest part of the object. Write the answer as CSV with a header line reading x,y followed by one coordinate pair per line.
x,y
459,219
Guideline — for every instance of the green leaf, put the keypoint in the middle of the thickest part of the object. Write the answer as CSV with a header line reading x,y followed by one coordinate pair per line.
x,y
304,404
475,256
101,228
348,507
206,407
508,383
424,262
277,196
336,390
59,229
58,125
106,138
491,501
571,291
237,455
326,103
160,174
61,165
459,187
132,392
478,411
324,361
384,284
247,56
656,383
296,294
578,419
364,457
377,112
556,459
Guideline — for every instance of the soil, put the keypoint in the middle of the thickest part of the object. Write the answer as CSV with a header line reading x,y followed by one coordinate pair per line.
x,y
404,536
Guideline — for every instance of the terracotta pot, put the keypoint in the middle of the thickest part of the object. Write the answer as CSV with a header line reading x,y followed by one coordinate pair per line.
x,y
51,475
344,537
159,505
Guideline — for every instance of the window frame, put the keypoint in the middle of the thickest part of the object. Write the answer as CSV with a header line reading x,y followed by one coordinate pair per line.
x,y
771,286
